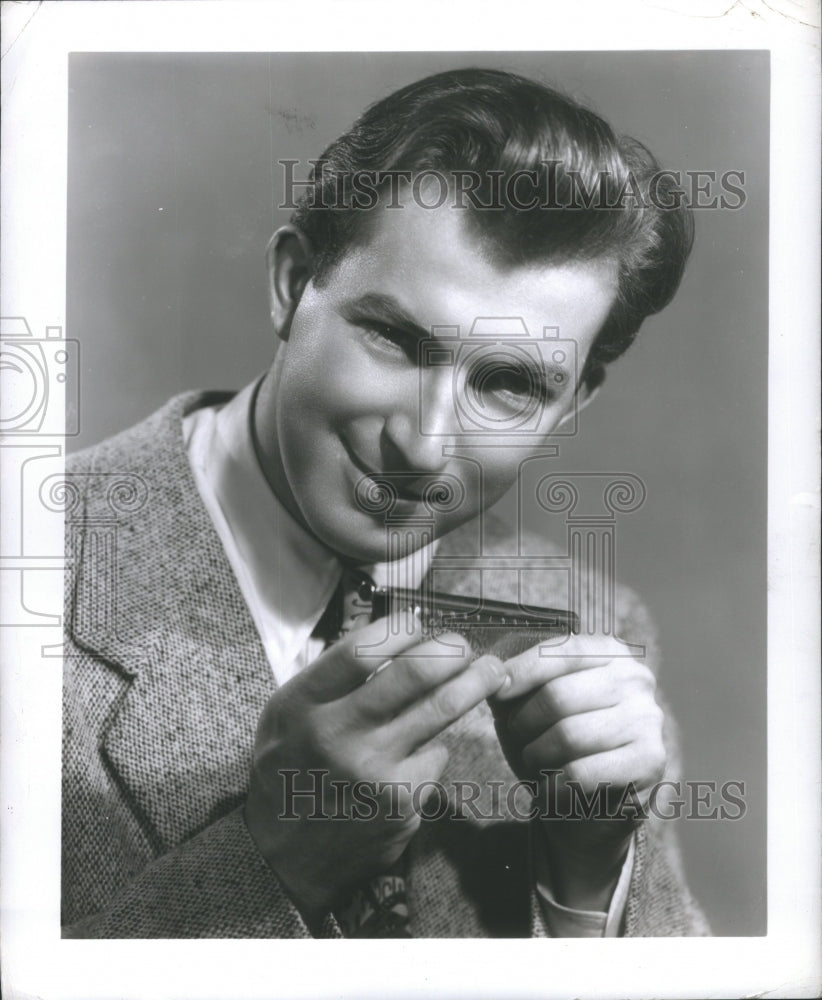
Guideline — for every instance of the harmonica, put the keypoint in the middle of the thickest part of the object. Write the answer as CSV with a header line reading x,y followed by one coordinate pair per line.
x,y
489,626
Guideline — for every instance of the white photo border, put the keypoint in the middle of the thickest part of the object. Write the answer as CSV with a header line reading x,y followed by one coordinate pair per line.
x,y
36,41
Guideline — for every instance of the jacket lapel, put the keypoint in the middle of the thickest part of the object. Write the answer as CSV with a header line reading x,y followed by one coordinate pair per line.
x,y
180,741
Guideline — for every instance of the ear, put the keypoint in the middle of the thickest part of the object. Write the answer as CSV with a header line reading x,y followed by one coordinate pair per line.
x,y
582,397
288,260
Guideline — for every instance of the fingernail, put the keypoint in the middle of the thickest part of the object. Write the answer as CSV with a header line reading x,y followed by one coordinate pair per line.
x,y
495,664
413,618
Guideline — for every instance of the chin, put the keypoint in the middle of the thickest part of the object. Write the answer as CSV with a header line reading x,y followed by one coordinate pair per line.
x,y
364,540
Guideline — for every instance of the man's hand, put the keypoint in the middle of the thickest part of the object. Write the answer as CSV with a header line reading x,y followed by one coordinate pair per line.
x,y
595,719
328,718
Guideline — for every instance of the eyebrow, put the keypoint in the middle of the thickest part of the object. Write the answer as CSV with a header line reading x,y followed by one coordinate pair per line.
x,y
390,310
392,313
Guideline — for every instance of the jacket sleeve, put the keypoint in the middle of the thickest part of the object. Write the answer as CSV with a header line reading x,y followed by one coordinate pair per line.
x,y
119,880
659,903
215,885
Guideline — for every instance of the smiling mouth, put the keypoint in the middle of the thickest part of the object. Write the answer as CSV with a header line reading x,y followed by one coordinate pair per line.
x,y
404,492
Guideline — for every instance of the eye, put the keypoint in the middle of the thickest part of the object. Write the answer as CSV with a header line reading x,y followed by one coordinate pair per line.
x,y
389,338
508,381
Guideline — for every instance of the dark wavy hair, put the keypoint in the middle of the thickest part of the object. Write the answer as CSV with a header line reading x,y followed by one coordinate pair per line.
x,y
496,124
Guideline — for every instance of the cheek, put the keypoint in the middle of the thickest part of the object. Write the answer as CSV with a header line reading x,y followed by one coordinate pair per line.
x,y
316,391
327,379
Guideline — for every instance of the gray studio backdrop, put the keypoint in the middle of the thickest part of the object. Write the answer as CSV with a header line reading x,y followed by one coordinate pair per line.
x,y
172,194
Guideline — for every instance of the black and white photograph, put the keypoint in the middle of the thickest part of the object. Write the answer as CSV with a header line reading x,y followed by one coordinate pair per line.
x,y
408,514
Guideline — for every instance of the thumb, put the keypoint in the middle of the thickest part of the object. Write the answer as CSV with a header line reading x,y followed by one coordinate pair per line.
x,y
543,663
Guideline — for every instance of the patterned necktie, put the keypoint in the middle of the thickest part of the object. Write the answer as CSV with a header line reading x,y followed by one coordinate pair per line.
x,y
378,909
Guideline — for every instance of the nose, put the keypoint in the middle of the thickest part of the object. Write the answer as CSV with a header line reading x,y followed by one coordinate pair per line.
x,y
421,425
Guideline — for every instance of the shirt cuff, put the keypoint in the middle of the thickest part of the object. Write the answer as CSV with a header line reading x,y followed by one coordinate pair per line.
x,y
562,921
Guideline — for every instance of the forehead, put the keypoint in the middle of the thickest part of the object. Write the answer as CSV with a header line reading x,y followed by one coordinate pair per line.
x,y
432,263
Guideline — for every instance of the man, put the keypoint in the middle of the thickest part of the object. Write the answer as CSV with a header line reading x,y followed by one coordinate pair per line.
x,y
219,742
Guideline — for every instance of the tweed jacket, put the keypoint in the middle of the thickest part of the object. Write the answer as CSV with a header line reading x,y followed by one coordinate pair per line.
x,y
164,680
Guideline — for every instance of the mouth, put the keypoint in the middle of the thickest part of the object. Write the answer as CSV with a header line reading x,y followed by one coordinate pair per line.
x,y
401,483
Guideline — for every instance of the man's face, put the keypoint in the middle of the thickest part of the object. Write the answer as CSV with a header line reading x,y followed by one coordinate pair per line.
x,y
355,402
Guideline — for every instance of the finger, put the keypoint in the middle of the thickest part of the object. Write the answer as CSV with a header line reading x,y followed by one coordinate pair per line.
x,y
631,764
450,701
533,668
348,663
417,791
425,764
577,736
571,694
411,675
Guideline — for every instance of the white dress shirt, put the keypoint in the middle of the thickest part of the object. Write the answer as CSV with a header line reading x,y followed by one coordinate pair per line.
x,y
287,577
